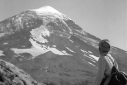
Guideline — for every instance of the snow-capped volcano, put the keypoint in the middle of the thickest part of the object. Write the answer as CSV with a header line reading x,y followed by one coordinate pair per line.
x,y
52,48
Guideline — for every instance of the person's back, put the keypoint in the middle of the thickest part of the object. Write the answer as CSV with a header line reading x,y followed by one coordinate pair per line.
x,y
110,62
105,63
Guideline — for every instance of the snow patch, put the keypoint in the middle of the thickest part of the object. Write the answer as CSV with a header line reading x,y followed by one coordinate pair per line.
x,y
53,45
1,53
91,64
91,58
55,51
77,46
38,33
83,51
45,33
71,41
96,58
90,52
66,53
46,9
70,50
37,49
5,43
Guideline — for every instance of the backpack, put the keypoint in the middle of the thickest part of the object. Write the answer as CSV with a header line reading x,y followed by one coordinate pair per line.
x,y
116,78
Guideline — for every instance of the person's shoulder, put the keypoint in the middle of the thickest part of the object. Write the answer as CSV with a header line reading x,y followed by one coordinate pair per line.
x,y
113,60
102,62
102,59
110,56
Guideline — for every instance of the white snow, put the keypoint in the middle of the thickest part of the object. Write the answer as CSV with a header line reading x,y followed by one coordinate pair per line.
x,y
5,43
96,58
70,50
38,34
45,33
37,49
47,9
77,46
83,51
66,53
35,45
92,59
90,52
55,51
1,53
53,45
71,41
91,63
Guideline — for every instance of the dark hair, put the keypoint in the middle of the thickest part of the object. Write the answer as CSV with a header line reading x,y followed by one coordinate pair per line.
x,y
104,46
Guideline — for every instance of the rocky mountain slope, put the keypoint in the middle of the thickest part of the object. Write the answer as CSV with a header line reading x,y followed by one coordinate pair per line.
x,y
11,75
52,48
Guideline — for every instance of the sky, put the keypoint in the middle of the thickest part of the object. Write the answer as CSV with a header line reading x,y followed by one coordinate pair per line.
x,y
105,19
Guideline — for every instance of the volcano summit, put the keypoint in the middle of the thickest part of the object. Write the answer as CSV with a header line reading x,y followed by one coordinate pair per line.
x,y
52,48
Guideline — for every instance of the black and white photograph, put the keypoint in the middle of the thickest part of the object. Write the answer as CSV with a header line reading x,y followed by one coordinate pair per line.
x,y
63,42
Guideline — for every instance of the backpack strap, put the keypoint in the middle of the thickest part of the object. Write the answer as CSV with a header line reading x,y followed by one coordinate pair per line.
x,y
115,65
113,72
108,79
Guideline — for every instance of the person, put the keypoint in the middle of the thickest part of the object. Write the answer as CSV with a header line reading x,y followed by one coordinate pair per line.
x,y
105,62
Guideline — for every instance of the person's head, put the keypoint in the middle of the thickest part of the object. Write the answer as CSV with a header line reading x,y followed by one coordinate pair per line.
x,y
104,46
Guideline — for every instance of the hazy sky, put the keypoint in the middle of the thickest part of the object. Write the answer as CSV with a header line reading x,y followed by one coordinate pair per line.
x,y
102,18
